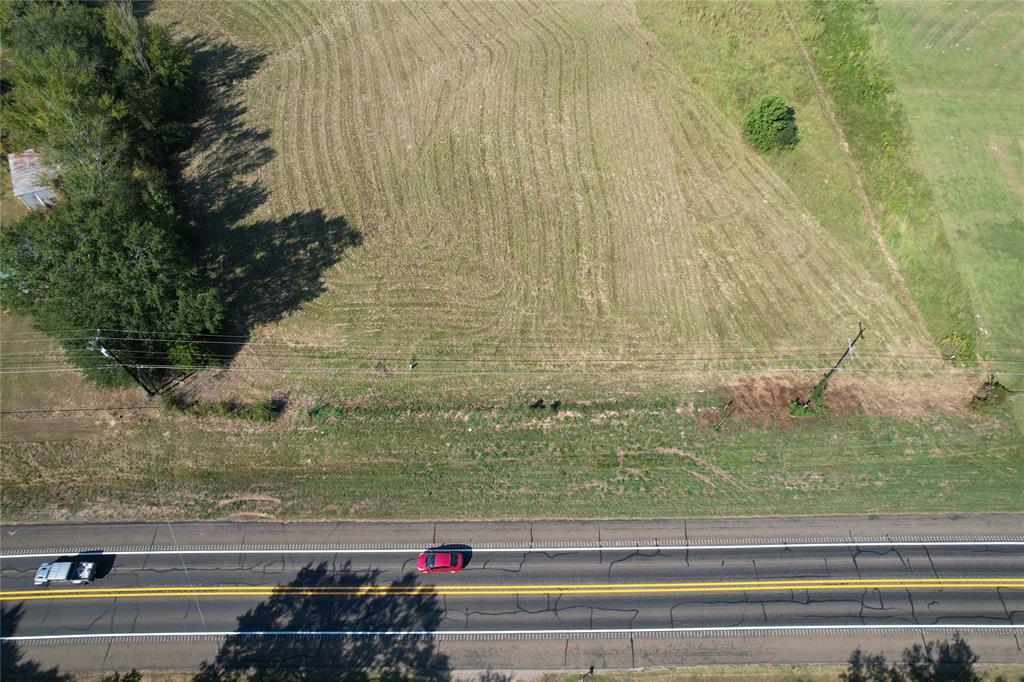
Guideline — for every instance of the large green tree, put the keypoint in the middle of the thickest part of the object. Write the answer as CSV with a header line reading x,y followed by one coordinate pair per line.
x,y
101,94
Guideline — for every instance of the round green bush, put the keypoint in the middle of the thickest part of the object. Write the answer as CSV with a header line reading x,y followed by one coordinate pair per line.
x,y
771,125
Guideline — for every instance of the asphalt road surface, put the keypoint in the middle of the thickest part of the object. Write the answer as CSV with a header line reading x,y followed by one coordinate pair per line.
x,y
276,597
522,591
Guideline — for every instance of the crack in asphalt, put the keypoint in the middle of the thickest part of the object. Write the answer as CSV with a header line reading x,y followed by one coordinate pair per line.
x,y
632,555
1002,600
931,563
913,611
554,608
519,569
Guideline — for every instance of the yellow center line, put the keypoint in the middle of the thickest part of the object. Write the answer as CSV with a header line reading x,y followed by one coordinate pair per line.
x,y
87,592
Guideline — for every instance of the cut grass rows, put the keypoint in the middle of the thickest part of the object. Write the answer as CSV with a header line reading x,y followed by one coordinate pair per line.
x,y
715,45
537,177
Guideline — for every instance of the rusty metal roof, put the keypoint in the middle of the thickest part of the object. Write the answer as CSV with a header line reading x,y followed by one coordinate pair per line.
x,y
28,174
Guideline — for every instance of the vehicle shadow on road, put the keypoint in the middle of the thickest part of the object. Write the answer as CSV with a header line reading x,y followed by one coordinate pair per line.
x,y
13,664
104,561
324,598
465,550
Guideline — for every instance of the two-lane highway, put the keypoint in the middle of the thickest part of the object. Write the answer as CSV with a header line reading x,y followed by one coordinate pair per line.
x,y
517,591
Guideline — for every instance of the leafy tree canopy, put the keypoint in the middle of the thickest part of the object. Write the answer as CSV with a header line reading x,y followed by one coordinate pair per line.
x,y
771,125
101,95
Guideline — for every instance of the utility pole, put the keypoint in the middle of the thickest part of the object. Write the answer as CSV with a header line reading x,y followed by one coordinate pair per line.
x,y
728,409
817,398
850,343
133,371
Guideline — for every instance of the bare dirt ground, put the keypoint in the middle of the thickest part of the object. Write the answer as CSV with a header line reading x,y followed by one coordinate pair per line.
x,y
770,395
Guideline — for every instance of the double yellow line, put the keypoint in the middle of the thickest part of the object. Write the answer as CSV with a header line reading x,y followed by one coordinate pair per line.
x,y
93,592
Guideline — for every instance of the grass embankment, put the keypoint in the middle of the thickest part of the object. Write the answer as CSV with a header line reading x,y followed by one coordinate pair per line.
x,y
737,673
619,458
758,673
959,73
738,52
853,69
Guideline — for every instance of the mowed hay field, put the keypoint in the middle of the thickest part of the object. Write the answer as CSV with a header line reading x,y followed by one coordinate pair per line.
x,y
960,75
544,201
531,181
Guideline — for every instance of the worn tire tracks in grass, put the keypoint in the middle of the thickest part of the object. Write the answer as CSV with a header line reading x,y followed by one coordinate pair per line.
x,y
858,181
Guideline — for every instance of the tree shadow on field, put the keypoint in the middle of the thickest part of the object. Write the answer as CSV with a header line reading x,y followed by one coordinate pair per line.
x,y
270,267
219,187
259,658
264,268
13,666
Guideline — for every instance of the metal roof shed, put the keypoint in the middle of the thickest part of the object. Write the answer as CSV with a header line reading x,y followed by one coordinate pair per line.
x,y
30,177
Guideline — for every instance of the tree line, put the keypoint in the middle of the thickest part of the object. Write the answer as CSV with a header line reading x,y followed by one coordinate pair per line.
x,y
105,97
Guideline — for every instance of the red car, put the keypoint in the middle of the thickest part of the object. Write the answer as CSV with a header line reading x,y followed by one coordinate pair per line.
x,y
439,561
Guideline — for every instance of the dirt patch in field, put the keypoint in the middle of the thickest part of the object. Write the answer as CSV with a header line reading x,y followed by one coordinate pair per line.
x,y
768,396
252,497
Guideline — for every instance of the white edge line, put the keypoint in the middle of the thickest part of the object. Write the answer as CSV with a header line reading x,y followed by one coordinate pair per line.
x,y
550,550
480,633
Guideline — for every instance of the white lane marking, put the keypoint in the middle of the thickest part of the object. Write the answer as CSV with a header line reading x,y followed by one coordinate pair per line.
x,y
484,633
546,550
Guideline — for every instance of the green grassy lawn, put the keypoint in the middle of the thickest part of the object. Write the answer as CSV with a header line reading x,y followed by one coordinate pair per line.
x,y
57,405
613,458
959,74
11,209
945,183
28,391
738,52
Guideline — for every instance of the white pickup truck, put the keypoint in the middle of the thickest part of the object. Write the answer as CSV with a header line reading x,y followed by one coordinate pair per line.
x,y
74,572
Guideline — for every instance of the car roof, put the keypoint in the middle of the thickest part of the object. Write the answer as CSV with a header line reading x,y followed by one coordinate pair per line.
x,y
59,570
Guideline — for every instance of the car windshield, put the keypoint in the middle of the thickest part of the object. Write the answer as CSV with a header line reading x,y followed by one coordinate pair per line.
x,y
430,560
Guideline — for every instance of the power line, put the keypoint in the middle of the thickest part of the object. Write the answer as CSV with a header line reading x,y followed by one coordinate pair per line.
x,y
297,355
589,350
309,353
510,371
